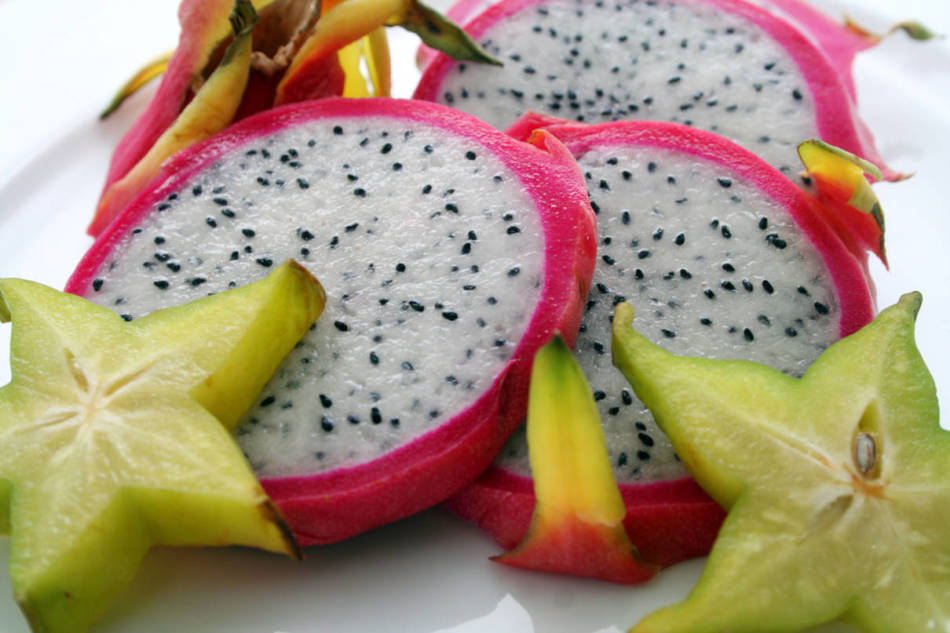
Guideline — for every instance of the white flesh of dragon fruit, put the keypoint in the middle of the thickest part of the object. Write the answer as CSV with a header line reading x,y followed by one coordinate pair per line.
x,y
714,267
684,62
431,279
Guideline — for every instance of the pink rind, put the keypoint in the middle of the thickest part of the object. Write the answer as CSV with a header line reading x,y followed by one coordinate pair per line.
x,y
338,504
672,520
835,109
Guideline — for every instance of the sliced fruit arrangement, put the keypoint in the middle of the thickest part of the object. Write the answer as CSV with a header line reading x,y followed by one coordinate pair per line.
x,y
577,524
298,50
449,250
727,66
836,483
111,444
729,260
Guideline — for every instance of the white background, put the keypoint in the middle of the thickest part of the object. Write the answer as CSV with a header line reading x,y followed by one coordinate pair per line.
x,y
62,61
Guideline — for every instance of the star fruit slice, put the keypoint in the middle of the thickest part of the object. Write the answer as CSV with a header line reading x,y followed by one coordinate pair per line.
x,y
837,484
577,527
110,441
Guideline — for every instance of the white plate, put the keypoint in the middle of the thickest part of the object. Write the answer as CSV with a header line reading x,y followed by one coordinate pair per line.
x,y
61,62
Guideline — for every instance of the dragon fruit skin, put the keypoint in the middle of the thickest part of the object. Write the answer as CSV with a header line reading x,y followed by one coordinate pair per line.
x,y
335,504
668,520
828,79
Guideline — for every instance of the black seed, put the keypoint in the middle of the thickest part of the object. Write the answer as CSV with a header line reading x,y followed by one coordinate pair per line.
x,y
821,308
470,155
126,317
349,228
668,333
173,266
407,365
767,286
797,94
162,257
724,182
626,397
709,293
221,202
790,331
415,305
161,284
802,290
426,188
450,316
196,190
643,456
305,235
651,167
625,217
325,401
400,267
359,192
680,239
97,284
599,347
512,230
466,248
726,233
599,395
452,207
646,439
375,416
266,262
385,149
729,268
613,410
514,271
352,419
763,223
764,320
269,400
608,260
228,213
638,273
705,321
373,358
325,424
341,326
658,234
210,221
748,335
248,232
685,274
728,285
747,285
303,184
235,255
197,281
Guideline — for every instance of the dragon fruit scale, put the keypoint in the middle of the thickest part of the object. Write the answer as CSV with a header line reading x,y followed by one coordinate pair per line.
x,y
449,251
726,66
722,256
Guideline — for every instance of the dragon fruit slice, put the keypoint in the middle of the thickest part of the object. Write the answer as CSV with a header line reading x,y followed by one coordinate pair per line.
x,y
726,66
723,257
449,252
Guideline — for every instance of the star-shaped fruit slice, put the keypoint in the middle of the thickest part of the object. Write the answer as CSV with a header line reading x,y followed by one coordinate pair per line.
x,y
577,526
837,484
109,441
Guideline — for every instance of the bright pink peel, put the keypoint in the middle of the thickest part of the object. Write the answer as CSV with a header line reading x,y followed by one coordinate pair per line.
x,y
670,519
343,501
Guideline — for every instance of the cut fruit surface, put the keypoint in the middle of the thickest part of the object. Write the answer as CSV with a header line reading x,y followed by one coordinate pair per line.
x,y
110,442
836,483
449,251
727,66
731,260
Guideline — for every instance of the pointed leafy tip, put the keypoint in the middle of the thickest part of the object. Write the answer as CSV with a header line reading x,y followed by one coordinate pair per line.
x,y
243,19
577,526
914,30
148,72
442,34
911,302
841,184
